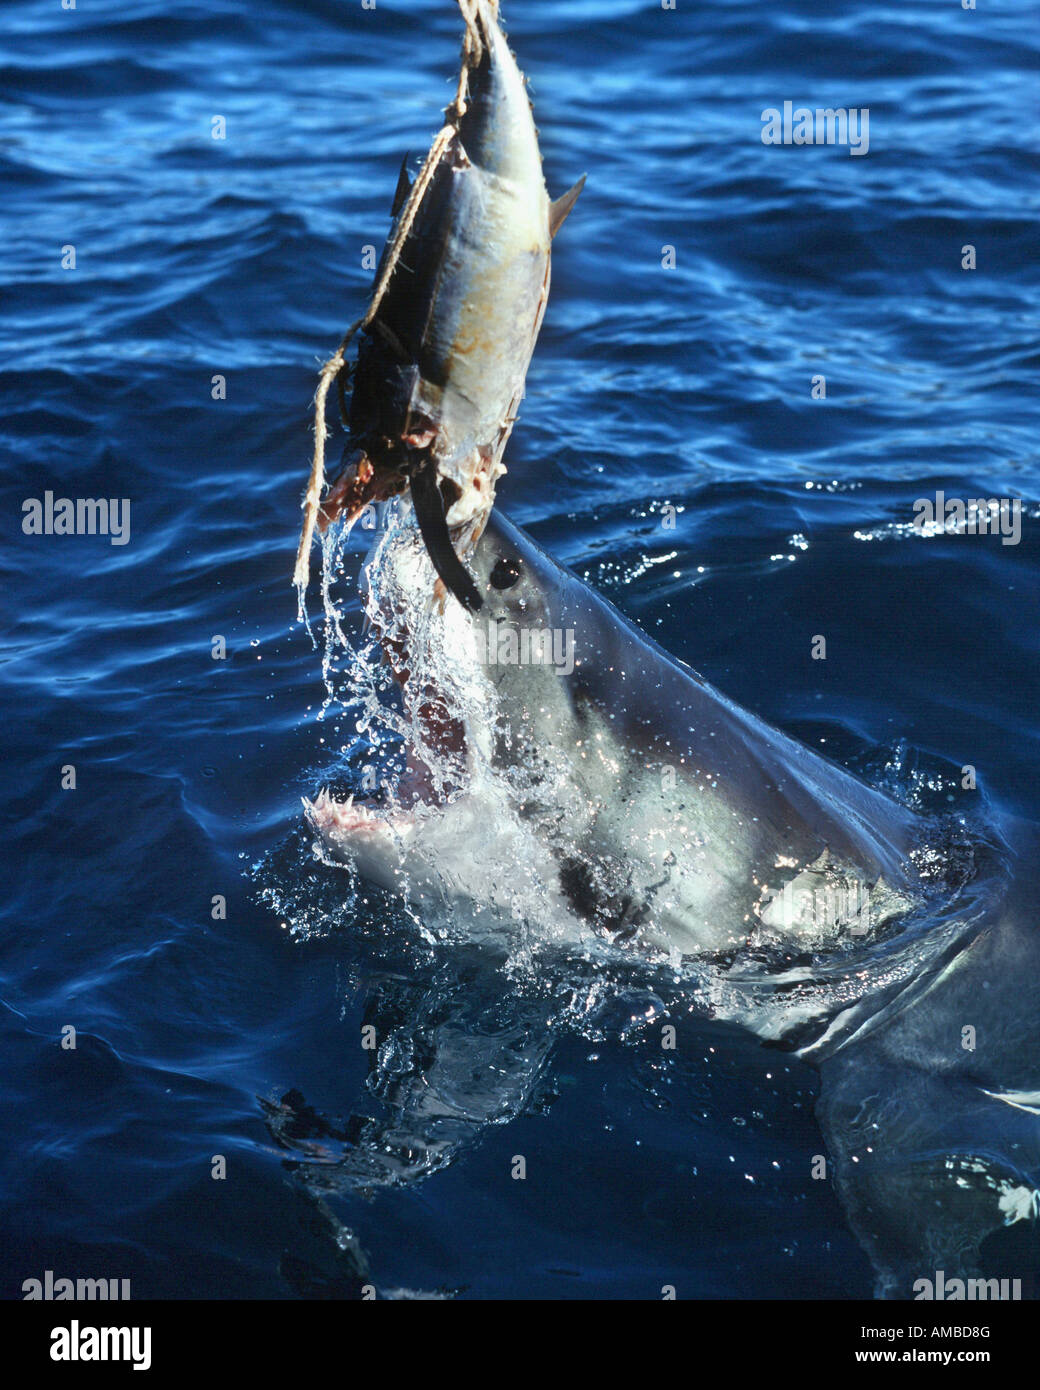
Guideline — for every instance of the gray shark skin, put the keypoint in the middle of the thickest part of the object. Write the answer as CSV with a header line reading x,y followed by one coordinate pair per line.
x,y
934,1130
668,824
717,809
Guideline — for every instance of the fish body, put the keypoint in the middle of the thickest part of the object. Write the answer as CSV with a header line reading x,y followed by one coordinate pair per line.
x,y
460,296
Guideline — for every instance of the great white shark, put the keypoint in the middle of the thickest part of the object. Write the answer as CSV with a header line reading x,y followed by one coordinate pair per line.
x,y
615,798
566,776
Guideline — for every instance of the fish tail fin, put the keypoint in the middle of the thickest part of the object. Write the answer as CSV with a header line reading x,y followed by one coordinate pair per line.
x,y
479,11
483,31
482,19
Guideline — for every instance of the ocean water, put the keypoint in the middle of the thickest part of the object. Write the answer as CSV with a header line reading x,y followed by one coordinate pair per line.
x,y
688,386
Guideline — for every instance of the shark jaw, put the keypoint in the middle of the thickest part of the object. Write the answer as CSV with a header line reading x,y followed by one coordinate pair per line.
x,y
417,840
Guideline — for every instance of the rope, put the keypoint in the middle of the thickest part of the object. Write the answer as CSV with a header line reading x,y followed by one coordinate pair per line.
x,y
316,482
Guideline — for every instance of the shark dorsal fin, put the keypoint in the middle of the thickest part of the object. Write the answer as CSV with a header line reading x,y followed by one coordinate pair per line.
x,y
560,207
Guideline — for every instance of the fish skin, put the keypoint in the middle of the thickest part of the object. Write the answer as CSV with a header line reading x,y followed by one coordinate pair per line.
x,y
442,361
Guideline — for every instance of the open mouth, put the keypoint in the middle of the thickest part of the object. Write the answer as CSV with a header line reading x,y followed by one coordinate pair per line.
x,y
420,792
436,769
352,819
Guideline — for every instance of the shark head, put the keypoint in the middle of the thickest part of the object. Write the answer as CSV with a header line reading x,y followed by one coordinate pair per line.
x,y
543,730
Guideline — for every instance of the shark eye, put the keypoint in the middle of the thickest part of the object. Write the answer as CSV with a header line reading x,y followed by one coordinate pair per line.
x,y
505,574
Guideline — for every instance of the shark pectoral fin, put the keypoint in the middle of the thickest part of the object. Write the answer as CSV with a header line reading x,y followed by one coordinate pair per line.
x,y
560,207
404,187
922,1189
429,513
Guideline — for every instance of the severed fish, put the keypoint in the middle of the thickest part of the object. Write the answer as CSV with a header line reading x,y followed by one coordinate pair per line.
x,y
460,293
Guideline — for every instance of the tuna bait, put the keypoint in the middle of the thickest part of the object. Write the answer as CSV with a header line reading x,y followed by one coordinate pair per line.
x,y
460,293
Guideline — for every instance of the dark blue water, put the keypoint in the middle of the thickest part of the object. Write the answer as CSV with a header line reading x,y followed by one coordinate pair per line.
x,y
689,386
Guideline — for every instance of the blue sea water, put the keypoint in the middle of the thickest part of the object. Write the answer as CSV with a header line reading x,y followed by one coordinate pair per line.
x,y
689,386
